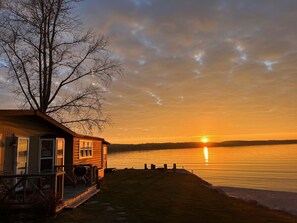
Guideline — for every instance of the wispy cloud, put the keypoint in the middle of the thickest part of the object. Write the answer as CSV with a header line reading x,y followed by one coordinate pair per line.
x,y
158,100
269,64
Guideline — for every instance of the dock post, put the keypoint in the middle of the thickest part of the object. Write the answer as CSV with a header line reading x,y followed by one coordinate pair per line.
x,y
174,167
145,166
153,167
165,166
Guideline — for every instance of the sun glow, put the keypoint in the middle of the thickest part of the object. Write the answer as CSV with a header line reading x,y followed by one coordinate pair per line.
x,y
204,140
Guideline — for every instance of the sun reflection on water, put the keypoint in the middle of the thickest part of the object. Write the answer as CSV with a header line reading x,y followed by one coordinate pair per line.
x,y
205,151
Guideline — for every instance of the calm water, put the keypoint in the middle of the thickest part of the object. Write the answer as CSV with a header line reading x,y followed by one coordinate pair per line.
x,y
259,167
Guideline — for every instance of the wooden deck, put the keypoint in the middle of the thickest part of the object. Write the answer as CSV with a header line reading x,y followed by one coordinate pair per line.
x,y
52,191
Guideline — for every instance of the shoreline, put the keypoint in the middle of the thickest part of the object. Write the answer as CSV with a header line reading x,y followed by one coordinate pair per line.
x,y
277,200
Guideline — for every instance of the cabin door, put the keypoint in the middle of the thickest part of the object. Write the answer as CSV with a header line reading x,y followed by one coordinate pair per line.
x,y
22,156
47,155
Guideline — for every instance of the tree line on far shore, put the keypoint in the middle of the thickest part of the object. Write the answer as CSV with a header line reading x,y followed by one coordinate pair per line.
x,y
180,145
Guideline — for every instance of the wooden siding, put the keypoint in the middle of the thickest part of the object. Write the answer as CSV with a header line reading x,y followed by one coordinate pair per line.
x,y
7,151
95,160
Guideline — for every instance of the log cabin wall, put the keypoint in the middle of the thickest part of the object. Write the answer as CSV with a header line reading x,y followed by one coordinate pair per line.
x,y
95,160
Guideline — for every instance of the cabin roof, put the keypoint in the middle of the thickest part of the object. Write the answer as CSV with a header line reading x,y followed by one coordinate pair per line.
x,y
17,112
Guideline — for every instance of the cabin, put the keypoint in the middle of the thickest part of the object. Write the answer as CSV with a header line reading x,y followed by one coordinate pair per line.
x,y
45,164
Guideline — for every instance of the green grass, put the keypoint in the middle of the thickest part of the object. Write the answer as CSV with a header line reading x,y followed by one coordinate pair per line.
x,y
159,196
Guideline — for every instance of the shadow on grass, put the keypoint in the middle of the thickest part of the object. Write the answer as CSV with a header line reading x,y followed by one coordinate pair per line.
x,y
161,196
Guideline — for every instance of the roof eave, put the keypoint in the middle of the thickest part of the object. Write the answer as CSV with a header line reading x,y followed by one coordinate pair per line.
x,y
15,112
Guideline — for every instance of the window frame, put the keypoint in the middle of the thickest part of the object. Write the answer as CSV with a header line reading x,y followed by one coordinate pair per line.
x,y
85,149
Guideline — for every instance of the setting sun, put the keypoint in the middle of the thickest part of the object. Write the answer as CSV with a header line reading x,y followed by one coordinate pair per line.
x,y
204,140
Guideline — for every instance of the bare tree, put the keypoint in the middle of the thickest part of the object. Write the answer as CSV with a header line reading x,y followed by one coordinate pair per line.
x,y
56,67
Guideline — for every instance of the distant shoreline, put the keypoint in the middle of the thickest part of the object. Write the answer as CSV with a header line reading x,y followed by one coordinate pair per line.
x,y
113,148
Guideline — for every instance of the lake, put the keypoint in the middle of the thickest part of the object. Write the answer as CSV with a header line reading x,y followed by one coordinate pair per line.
x,y
258,167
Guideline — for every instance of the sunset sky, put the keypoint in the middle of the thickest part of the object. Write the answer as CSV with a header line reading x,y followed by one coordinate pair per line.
x,y
222,69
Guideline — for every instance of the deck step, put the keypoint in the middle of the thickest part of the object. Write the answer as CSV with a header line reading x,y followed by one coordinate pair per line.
x,y
81,199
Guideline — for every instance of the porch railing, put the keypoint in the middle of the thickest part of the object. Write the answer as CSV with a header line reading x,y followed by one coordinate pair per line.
x,y
89,178
22,190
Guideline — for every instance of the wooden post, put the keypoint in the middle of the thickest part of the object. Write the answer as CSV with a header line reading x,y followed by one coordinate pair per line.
x,y
174,167
165,166
145,166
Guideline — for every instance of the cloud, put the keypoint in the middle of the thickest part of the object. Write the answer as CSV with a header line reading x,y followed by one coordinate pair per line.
x,y
139,3
269,64
158,99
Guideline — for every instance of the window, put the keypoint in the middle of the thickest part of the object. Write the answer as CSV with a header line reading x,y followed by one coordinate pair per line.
x,y
85,149
47,154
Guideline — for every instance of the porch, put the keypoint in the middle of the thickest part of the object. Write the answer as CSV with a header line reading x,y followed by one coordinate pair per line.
x,y
49,192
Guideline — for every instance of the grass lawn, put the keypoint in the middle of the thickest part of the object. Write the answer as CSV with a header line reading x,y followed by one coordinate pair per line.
x,y
159,196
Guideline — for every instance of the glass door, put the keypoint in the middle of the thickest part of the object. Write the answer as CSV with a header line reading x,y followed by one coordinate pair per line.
x,y
22,156
47,155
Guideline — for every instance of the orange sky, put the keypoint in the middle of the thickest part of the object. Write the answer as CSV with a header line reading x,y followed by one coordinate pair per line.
x,y
222,69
